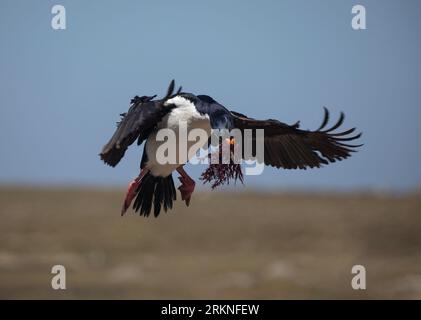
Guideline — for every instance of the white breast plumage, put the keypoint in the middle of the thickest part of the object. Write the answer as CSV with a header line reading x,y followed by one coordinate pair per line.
x,y
184,112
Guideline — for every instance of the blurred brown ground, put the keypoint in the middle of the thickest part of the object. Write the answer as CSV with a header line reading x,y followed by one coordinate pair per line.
x,y
226,245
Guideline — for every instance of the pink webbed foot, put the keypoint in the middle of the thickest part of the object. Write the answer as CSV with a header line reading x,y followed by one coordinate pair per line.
x,y
187,185
186,189
131,191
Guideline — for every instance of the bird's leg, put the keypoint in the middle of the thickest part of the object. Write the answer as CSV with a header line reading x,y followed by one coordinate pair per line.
x,y
187,185
131,190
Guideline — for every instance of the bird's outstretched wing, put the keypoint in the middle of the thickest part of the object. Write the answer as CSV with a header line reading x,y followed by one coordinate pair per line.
x,y
137,123
289,147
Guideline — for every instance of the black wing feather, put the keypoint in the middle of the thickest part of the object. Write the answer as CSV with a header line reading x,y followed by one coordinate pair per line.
x,y
137,123
289,147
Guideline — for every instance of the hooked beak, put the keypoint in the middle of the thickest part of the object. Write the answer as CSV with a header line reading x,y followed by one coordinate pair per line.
x,y
230,141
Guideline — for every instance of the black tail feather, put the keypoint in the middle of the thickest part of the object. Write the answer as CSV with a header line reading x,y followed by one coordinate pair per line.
x,y
157,190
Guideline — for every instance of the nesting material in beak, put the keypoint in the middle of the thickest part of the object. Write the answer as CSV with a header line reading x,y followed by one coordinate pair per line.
x,y
220,173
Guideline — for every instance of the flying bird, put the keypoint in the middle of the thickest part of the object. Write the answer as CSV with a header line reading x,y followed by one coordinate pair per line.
x,y
285,146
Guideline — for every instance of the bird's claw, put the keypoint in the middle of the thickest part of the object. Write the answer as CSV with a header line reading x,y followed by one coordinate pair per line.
x,y
186,189
131,193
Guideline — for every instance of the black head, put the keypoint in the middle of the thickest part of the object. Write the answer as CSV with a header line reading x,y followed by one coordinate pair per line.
x,y
220,117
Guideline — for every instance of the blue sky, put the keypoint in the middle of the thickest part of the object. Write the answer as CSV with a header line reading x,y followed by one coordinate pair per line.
x,y
61,90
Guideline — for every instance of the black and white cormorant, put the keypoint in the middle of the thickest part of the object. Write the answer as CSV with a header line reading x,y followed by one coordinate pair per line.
x,y
285,146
